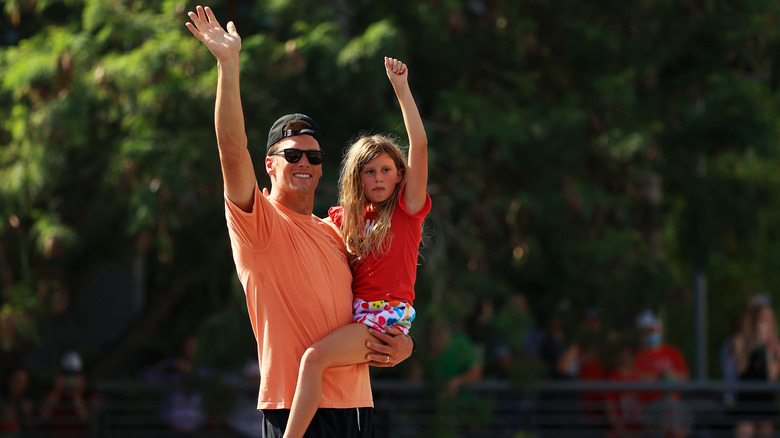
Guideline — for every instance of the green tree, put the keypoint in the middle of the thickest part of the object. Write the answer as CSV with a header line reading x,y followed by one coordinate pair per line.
x,y
595,153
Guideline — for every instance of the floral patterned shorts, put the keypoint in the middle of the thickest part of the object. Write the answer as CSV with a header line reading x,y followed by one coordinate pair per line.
x,y
382,314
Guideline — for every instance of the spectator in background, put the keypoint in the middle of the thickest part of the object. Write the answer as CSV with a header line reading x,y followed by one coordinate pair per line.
x,y
506,330
728,360
482,329
516,326
16,405
69,405
623,408
757,359
656,360
562,356
182,411
454,362
244,418
665,414
591,340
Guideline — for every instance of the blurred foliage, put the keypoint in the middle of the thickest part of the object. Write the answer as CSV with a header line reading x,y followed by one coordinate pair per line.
x,y
599,154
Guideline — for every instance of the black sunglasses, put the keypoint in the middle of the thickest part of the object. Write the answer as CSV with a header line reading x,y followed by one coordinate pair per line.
x,y
294,155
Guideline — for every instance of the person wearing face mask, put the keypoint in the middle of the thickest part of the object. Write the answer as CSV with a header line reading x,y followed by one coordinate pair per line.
x,y
659,361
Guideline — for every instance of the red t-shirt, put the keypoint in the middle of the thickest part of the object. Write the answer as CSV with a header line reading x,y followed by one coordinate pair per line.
x,y
653,363
389,276
626,404
591,370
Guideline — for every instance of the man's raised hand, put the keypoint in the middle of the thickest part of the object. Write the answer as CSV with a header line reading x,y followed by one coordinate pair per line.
x,y
223,45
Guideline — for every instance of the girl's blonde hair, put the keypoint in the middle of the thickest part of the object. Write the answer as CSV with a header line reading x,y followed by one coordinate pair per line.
x,y
353,199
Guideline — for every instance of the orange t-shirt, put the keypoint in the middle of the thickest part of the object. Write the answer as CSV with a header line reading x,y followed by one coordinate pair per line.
x,y
298,289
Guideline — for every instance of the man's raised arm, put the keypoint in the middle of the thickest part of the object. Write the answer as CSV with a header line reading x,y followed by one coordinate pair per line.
x,y
237,171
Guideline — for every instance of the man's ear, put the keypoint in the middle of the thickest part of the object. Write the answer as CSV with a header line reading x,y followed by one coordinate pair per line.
x,y
269,165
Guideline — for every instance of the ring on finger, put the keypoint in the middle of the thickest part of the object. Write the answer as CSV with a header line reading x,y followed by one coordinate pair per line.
x,y
387,358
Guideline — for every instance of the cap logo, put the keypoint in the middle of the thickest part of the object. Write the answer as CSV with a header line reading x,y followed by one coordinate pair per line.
x,y
293,132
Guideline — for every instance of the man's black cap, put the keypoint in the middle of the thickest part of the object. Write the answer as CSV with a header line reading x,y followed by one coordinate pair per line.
x,y
278,132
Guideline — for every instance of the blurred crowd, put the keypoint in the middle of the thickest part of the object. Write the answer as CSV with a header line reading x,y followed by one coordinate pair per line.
x,y
500,341
187,399
64,405
577,347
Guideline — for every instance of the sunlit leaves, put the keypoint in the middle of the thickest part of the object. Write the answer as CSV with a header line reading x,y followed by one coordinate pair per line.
x,y
49,232
368,46
577,152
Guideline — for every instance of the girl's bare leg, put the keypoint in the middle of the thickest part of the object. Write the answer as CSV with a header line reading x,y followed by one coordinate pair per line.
x,y
344,346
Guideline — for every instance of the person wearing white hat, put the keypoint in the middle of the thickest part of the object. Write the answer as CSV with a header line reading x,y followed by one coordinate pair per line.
x,y
659,361
69,403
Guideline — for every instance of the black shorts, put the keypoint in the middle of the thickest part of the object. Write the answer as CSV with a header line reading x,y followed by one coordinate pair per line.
x,y
327,423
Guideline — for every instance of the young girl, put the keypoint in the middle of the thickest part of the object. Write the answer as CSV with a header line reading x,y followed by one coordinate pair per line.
x,y
383,201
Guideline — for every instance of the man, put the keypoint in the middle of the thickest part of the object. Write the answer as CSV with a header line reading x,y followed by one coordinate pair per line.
x,y
664,413
293,266
657,360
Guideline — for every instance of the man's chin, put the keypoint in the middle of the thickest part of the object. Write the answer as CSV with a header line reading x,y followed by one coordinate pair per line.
x,y
304,189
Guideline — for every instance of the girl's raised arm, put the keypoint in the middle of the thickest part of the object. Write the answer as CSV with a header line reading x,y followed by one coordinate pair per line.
x,y
417,178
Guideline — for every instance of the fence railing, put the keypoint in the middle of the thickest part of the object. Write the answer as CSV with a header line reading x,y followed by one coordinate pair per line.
x,y
586,409
577,409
